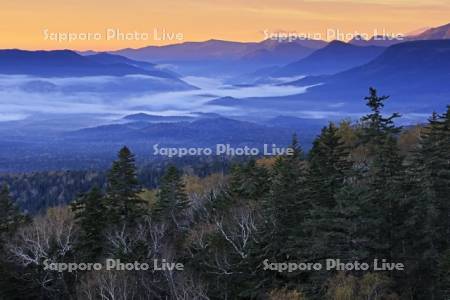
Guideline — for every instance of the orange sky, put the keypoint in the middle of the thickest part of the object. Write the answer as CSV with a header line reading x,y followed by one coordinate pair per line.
x,y
22,23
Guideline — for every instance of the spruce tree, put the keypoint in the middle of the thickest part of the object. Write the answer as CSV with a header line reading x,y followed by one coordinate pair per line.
x,y
172,198
122,193
10,216
329,169
384,208
429,190
247,186
287,205
333,225
382,201
90,215
436,151
10,220
376,127
283,237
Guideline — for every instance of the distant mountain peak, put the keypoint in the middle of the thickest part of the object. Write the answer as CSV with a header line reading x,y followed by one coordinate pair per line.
x,y
359,38
436,33
335,57
417,31
337,43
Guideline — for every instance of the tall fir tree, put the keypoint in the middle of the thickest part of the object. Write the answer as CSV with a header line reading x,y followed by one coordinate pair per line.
x,y
384,208
382,201
428,194
172,199
11,287
329,169
10,216
247,186
122,193
376,127
90,215
282,237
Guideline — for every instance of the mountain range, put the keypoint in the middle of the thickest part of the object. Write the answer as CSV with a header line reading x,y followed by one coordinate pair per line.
x,y
66,63
203,131
415,74
43,66
226,57
313,82
209,57
417,67
272,50
335,57
436,33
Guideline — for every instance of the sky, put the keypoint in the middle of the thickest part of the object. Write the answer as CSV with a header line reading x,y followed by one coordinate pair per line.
x,y
113,24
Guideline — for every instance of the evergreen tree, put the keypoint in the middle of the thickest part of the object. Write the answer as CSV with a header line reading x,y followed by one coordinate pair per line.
x,y
247,186
333,224
436,154
10,220
384,206
122,193
382,201
376,127
282,237
10,216
90,216
329,169
428,194
172,198
287,205
347,235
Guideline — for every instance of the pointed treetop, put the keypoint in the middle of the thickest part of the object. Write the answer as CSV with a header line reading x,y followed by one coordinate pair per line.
x,y
375,102
295,146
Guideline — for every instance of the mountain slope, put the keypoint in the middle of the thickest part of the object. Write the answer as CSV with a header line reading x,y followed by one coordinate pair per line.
x,y
418,69
377,41
335,57
65,63
109,59
411,64
142,117
205,131
216,57
438,33
221,50
150,68
189,51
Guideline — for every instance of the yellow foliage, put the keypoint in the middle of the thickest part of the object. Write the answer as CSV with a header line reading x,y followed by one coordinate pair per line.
x,y
266,162
409,139
198,185
149,196
370,286
285,294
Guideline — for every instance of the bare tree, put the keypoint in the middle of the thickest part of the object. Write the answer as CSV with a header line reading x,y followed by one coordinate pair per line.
x,y
48,238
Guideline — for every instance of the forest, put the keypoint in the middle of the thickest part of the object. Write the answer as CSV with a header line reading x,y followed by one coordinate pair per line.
x,y
366,190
